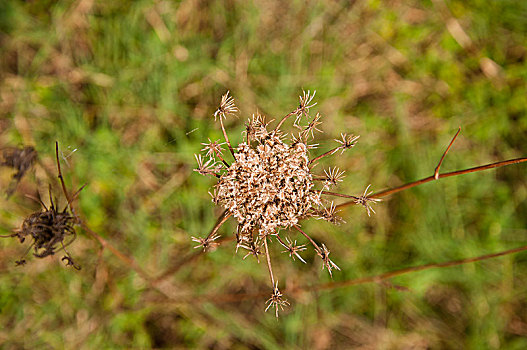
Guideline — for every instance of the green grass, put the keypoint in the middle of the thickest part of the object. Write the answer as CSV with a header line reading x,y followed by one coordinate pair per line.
x,y
132,85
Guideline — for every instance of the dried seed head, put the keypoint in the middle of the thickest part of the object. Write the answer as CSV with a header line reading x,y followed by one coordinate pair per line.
x,y
366,201
207,244
276,300
305,104
207,168
311,127
327,263
333,177
293,249
330,214
226,107
268,187
213,148
50,231
347,142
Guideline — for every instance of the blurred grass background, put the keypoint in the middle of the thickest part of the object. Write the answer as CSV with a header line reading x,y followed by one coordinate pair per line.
x,y
132,85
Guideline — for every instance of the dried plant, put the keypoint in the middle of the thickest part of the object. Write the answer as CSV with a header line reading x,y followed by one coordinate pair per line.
x,y
270,186
21,160
50,229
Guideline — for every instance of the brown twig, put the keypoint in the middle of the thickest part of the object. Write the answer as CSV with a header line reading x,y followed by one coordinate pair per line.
x,y
227,298
184,261
221,220
330,152
432,178
226,137
328,193
284,119
391,274
317,248
191,257
436,172
268,257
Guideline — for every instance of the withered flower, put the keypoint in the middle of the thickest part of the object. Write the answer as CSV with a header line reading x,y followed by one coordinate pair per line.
x,y
50,229
270,186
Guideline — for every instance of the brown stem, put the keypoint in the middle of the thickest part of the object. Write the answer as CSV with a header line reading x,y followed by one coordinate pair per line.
x,y
121,256
432,178
330,152
436,172
284,119
172,270
340,195
221,158
226,137
268,257
226,298
309,238
221,220
391,274
60,174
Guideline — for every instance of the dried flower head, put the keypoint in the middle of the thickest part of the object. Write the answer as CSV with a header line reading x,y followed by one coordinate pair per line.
x,y
207,244
50,229
270,185
276,300
226,107
366,201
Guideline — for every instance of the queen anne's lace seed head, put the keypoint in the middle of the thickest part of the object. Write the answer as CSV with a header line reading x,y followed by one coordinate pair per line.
x,y
270,185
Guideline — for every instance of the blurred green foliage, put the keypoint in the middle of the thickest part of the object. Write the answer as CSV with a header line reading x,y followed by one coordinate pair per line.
x,y
132,85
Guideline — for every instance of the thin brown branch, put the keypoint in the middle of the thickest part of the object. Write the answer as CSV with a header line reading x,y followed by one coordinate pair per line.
x,y
285,118
121,256
330,152
221,220
328,193
226,137
218,154
436,172
61,178
391,274
432,178
309,238
191,257
268,257
227,298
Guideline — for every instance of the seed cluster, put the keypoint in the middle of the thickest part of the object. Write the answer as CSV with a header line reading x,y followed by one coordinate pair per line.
x,y
50,231
270,186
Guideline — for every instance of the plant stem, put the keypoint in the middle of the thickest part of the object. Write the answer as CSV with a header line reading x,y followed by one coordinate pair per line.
x,y
440,176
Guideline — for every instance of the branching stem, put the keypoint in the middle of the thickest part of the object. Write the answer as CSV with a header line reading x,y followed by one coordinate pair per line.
x,y
436,172
440,176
